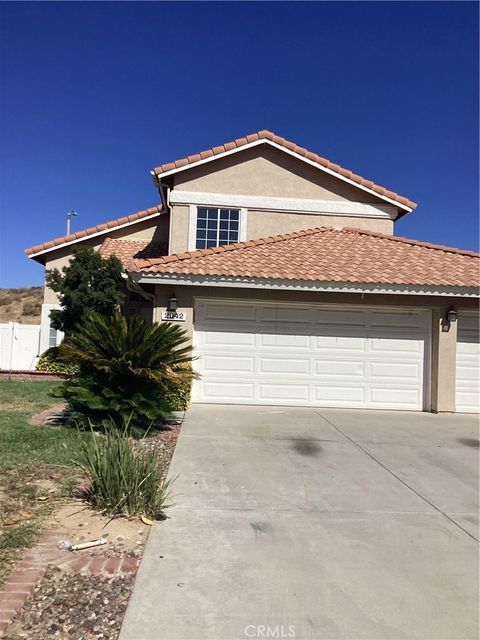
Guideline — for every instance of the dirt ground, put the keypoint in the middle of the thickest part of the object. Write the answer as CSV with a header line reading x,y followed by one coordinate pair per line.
x,y
82,524
21,305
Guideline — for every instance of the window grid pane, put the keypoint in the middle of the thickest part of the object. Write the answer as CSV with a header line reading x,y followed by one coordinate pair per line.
x,y
216,227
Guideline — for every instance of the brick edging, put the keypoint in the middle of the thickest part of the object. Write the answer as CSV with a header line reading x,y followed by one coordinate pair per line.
x,y
29,376
30,570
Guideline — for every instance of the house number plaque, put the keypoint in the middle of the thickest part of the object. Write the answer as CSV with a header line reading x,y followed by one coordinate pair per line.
x,y
177,316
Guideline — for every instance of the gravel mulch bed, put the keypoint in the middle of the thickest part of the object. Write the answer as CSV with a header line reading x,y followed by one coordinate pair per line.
x,y
73,607
162,442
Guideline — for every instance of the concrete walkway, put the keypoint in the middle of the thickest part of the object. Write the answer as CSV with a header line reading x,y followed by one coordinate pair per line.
x,y
315,523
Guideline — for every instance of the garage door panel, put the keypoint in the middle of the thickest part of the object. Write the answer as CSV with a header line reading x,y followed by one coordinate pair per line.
x,y
312,362
233,363
397,346
468,364
468,323
467,401
339,395
392,370
469,347
286,315
340,343
220,391
217,311
284,366
335,368
340,318
397,320
285,341
281,392
228,339
468,373
383,397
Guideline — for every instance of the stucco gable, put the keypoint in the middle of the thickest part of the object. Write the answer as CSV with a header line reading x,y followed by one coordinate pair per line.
x,y
267,171
164,173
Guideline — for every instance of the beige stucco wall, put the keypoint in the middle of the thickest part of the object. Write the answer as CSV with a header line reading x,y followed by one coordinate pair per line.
x,y
444,355
155,229
261,224
443,343
180,217
266,171
265,223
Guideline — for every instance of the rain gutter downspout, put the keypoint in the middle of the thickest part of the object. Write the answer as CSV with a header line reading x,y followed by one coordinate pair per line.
x,y
134,287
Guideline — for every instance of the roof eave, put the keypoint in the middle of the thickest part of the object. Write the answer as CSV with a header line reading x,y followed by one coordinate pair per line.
x,y
241,282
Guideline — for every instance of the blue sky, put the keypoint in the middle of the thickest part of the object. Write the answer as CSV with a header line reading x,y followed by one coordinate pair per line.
x,y
96,94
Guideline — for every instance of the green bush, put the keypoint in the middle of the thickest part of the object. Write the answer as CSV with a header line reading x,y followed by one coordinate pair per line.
x,y
127,367
50,363
122,478
178,395
88,283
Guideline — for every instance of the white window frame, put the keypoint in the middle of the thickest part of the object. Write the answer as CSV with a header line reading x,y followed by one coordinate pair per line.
x,y
192,230
45,327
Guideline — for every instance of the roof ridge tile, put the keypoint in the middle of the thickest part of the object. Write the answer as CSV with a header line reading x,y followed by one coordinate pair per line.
x,y
411,241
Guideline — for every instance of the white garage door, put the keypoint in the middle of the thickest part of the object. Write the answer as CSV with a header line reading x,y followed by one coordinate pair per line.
x,y
468,364
281,354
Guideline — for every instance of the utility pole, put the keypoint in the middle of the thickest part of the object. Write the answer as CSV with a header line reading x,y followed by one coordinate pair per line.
x,y
70,215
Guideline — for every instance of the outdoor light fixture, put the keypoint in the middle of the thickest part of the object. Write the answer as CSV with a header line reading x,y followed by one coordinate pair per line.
x,y
452,315
172,303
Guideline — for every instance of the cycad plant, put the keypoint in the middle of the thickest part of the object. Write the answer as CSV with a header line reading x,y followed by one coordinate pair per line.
x,y
125,366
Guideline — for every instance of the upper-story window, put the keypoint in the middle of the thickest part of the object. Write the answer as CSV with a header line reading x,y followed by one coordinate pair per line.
x,y
216,227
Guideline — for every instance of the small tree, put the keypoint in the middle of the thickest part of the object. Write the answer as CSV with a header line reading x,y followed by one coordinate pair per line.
x,y
89,283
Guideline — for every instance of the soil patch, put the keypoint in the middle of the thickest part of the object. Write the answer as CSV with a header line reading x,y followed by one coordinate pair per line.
x,y
80,523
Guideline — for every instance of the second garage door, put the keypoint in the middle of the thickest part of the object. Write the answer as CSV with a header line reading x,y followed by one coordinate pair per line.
x,y
311,355
468,364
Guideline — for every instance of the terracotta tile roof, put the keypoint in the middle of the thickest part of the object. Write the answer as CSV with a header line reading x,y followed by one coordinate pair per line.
x,y
128,250
264,134
328,255
99,228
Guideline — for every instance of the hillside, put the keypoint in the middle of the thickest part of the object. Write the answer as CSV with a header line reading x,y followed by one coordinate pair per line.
x,y
21,305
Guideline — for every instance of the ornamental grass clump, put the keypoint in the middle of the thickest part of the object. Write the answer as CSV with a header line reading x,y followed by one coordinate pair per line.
x,y
123,479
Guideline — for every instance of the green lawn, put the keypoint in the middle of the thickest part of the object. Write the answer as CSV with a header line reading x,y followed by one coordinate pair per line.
x,y
34,461
22,443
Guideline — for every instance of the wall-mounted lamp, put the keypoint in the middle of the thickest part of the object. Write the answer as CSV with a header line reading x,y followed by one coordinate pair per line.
x,y
172,303
452,315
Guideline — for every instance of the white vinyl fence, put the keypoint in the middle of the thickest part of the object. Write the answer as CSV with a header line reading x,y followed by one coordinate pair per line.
x,y
19,346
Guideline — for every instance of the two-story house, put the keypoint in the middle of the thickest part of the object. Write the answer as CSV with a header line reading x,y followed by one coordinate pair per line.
x,y
284,269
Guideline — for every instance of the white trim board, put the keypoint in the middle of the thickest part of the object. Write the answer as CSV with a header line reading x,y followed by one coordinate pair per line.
x,y
94,235
160,176
304,285
297,205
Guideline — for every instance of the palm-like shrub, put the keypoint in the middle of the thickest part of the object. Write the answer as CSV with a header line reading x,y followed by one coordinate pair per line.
x,y
125,368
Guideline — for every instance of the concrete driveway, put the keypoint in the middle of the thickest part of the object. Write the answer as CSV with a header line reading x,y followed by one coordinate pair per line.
x,y
315,523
